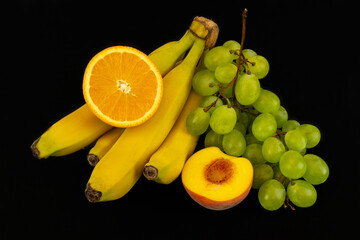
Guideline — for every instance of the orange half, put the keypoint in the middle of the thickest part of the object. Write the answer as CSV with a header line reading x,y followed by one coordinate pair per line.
x,y
122,86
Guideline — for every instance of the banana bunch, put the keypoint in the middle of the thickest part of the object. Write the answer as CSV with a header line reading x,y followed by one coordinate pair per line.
x,y
159,147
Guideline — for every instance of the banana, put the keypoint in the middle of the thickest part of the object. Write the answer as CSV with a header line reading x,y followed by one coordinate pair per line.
x,y
103,144
167,162
166,56
81,127
166,46
71,133
122,165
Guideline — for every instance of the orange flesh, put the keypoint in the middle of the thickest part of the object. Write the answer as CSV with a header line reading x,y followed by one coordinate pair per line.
x,y
124,84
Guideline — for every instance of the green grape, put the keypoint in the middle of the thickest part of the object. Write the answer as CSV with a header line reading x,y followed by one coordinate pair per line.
x,y
240,127
223,119
254,154
281,116
317,171
234,143
295,140
267,102
206,101
259,66
290,125
247,89
212,139
292,164
217,56
232,45
262,173
242,117
271,195
204,83
237,110
312,134
248,53
302,151
250,130
264,126
301,193
273,149
250,139
278,176
197,122
225,73
252,117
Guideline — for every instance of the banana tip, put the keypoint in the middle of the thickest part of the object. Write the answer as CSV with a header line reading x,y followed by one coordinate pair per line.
x,y
150,172
35,151
92,195
92,159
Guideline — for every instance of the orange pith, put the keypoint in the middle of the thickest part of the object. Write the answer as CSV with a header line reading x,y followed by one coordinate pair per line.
x,y
122,86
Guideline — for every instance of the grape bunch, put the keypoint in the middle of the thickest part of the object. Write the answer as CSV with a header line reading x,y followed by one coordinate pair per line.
x,y
242,119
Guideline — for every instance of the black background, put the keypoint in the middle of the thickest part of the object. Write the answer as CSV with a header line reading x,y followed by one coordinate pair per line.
x,y
309,45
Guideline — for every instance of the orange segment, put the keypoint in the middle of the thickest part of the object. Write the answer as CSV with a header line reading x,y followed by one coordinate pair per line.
x,y
122,86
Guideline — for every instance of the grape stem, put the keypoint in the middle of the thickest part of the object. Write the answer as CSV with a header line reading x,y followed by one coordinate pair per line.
x,y
207,108
279,134
283,182
287,204
242,60
245,110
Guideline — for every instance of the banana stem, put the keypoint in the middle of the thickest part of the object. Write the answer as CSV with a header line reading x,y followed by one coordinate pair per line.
x,y
212,28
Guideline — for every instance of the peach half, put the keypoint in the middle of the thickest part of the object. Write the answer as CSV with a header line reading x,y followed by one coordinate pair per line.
x,y
216,180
